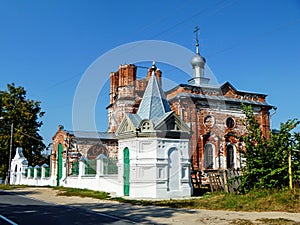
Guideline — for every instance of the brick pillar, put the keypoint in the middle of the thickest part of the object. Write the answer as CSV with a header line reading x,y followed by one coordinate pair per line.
x,y
158,74
114,83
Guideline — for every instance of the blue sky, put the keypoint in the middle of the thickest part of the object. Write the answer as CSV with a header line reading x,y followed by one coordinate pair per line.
x,y
46,46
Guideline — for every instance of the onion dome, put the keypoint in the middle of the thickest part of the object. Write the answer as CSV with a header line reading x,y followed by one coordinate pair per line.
x,y
198,61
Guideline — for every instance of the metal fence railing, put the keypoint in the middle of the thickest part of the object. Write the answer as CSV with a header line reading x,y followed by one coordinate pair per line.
x,y
90,167
107,166
31,172
110,166
75,169
39,172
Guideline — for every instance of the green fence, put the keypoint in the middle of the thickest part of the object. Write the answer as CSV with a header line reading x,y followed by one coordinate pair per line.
x,y
90,167
47,172
110,166
75,168
31,172
39,172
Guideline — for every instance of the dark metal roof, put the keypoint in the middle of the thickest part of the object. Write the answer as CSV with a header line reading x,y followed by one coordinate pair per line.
x,y
219,98
93,135
216,88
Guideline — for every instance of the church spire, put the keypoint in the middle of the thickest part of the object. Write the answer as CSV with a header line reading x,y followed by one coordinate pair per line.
x,y
154,103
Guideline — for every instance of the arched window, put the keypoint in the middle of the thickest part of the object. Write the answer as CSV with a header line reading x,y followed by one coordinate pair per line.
x,y
173,169
146,125
230,123
230,156
208,156
96,150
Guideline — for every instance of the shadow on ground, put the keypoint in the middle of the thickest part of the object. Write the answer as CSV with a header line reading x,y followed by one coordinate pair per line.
x,y
141,214
15,207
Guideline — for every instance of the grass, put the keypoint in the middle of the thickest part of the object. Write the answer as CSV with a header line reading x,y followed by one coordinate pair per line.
x,y
262,200
256,200
81,193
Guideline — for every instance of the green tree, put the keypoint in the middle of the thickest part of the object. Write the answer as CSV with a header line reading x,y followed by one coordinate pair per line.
x,y
267,159
25,115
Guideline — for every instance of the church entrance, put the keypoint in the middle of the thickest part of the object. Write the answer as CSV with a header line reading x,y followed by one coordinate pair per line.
x,y
126,172
59,163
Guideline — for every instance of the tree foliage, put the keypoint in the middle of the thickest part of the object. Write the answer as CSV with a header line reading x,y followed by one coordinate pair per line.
x,y
25,115
267,158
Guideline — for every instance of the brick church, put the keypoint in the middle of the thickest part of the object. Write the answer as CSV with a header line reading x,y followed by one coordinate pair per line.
x,y
213,113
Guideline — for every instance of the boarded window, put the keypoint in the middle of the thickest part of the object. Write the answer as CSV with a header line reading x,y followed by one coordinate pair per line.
x,y
230,157
208,156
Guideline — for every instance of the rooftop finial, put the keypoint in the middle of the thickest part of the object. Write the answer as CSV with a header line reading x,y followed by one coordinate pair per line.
x,y
197,41
153,62
153,66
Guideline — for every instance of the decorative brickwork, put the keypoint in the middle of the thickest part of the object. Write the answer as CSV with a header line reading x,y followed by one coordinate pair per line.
x,y
214,115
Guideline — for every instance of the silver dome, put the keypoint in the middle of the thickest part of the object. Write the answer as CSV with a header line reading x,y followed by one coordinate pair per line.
x,y
198,60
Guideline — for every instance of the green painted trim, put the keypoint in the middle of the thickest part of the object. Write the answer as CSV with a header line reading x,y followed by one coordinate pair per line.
x,y
59,162
126,171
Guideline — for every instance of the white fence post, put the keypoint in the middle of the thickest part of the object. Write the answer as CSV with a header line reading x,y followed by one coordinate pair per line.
x,y
35,176
29,172
43,172
81,167
24,167
100,165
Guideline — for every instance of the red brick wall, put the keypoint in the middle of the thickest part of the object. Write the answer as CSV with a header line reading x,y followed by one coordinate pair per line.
x,y
124,83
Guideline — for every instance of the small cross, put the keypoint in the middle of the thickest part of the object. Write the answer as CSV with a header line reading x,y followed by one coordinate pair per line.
x,y
196,31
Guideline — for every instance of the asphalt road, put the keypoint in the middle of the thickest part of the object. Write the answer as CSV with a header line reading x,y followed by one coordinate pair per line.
x,y
18,210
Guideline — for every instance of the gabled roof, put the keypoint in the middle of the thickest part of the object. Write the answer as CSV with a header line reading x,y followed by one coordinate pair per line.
x,y
129,123
154,103
228,84
173,121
